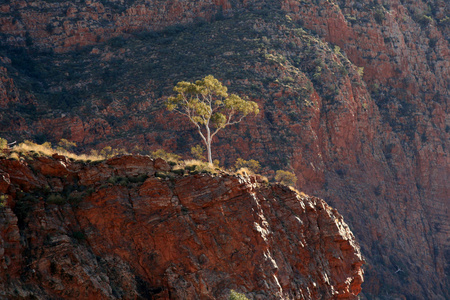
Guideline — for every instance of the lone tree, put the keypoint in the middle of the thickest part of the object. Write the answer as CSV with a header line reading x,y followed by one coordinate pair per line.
x,y
209,107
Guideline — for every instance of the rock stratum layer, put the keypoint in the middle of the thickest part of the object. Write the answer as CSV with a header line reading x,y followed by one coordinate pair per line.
x,y
119,229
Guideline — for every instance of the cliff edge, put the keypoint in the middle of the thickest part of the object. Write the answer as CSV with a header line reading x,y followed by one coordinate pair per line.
x,y
131,228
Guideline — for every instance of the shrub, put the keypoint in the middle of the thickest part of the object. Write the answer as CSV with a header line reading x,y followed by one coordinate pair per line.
x,y
285,177
167,156
75,199
56,199
197,166
424,20
379,15
108,152
3,199
236,296
3,143
138,179
360,71
252,165
66,145
197,152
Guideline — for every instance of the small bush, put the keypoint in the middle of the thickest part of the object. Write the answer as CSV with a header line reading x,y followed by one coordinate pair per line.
x,y
56,199
167,156
3,199
75,199
3,143
285,177
236,296
197,166
253,165
424,20
109,152
197,152
138,179
379,15
66,145
118,180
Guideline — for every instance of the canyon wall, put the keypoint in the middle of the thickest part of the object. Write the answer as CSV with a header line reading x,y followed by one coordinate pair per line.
x,y
353,97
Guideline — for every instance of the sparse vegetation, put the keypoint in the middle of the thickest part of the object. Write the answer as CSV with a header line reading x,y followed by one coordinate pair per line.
x,y
251,165
236,296
379,15
167,156
424,20
108,152
3,143
56,199
3,199
197,152
360,71
286,177
46,150
65,145
198,166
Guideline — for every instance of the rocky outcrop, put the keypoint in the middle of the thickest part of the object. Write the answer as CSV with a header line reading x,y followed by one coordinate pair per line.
x,y
129,228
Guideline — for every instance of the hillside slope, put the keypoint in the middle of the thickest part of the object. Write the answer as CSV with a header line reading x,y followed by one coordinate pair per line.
x,y
372,140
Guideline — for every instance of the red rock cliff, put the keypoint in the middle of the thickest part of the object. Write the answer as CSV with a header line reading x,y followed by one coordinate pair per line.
x,y
376,143
118,230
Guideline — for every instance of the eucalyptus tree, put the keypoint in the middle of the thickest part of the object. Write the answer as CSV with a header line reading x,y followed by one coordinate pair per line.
x,y
209,107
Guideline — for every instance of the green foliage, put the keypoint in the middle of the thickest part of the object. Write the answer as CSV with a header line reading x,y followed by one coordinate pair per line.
x,y
3,143
138,179
445,21
3,199
108,152
424,20
360,71
285,177
197,152
236,296
167,156
56,199
337,49
66,145
252,165
75,199
379,15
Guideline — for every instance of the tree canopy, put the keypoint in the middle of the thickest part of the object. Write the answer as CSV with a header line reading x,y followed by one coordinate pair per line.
x,y
209,107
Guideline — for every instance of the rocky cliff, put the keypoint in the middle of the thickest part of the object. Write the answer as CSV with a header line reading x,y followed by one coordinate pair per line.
x,y
353,97
129,228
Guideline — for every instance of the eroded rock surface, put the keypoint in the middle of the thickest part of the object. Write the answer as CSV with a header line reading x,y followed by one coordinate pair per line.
x,y
132,234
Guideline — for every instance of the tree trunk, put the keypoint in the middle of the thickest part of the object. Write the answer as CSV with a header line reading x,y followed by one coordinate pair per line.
x,y
208,144
208,149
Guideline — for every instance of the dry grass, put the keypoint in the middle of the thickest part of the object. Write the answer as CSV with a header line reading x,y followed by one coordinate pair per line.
x,y
46,150
199,166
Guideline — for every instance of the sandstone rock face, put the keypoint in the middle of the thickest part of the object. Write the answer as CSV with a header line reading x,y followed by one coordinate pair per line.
x,y
179,237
